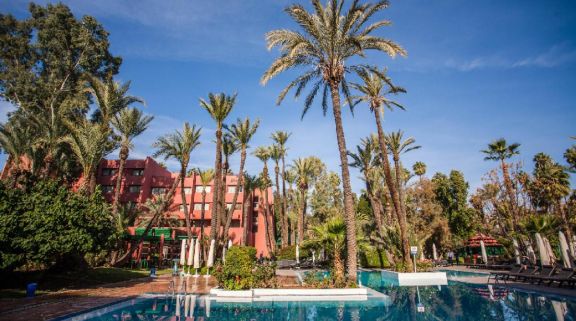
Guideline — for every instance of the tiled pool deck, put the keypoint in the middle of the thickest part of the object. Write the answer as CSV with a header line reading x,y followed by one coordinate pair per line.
x,y
55,305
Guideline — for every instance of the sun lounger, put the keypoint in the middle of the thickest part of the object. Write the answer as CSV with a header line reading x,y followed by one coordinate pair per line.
x,y
504,275
561,276
523,274
537,277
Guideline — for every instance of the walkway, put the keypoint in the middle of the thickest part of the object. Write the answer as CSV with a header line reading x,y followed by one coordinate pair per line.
x,y
62,303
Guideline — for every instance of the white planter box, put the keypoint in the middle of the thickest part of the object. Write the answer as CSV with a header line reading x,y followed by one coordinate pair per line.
x,y
309,292
231,294
417,279
351,294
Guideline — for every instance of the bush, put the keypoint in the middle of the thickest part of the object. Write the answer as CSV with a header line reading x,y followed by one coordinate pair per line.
x,y
236,273
289,253
265,276
320,280
374,258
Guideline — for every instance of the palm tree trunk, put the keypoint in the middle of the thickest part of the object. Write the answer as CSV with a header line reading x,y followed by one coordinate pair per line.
x,y
400,215
374,205
239,183
349,214
202,211
510,192
216,191
399,181
184,205
339,274
266,223
123,157
302,216
271,225
285,227
245,210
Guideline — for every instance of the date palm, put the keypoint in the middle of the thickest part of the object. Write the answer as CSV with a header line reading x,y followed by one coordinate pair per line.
x,y
249,187
15,140
128,123
500,151
241,133
206,177
329,38
332,236
280,138
374,89
263,154
179,145
276,153
306,170
218,107
419,169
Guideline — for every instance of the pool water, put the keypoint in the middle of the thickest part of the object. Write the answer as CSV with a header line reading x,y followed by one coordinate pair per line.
x,y
451,274
453,302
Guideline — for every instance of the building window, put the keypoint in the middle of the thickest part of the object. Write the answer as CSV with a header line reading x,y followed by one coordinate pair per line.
x,y
134,188
107,188
200,188
138,172
231,189
108,171
158,190
187,190
198,206
229,205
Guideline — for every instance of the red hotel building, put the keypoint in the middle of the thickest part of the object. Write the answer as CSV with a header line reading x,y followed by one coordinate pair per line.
x,y
145,178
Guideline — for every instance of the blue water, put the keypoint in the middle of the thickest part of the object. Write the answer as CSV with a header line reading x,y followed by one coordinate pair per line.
x,y
453,302
458,274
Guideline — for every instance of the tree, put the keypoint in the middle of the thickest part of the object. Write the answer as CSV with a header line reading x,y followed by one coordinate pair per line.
x,y
179,145
276,154
241,132
218,107
396,146
330,39
250,184
570,156
280,138
332,236
499,150
44,61
263,154
419,169
206,176
128,123
306,170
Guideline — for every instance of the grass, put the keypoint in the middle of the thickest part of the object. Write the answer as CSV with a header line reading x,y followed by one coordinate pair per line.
x,y
14,284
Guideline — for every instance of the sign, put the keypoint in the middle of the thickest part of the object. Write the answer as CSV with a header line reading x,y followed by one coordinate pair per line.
x,y
414,250
420,308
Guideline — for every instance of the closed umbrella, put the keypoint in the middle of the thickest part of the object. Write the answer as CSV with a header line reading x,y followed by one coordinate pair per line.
x,y
516,251
177,305
434,252
229,243
549,251
197,257
566,261
192,305
530,252
313,257
190,259
210,262
484,255
297,253
224,255
183,253
186,305
544,258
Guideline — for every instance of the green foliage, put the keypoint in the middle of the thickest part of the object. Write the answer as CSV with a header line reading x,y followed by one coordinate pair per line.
x,y
321,280
374,258
237,272
49,225
452,194
570,156
265,276
289,253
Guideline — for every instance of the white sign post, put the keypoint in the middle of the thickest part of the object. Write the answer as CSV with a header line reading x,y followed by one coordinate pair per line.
x,y
414,251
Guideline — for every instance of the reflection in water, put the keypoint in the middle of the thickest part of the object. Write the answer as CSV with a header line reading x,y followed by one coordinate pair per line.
x,y
453,302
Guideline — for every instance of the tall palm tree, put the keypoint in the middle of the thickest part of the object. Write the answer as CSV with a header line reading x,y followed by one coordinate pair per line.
x,y
291,204
206,176
276,153
129,123
363,160
419,169
241,132
218,107
396,146
330,39
88,142
373,90
306,170
179,145
263,154
229,147
250,184
499,150
280,138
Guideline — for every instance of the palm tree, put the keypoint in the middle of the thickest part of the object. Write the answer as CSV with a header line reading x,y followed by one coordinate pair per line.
x,y
263,154
329,40
128,123
306,170
179,145
241,132
206,176
15,140
276,153
374,89
250,183
280,138
363,160
88,142
419,169
499,150
331,235
396,146
290,178
218,107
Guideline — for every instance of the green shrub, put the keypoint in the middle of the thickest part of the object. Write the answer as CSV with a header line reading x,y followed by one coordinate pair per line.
x,y
374,258
237,272
289,253
319,280
265,276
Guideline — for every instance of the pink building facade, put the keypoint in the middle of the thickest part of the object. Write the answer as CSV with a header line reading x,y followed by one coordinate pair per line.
x,y
142,179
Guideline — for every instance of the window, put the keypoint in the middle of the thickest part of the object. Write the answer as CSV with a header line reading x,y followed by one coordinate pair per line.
x,y
134,188
229,205
138,172
108,171
200,188
231,189
158,190
107,188
187,190
198,206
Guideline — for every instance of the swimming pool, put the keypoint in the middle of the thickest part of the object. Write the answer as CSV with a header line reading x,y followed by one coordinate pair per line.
x,y
452,274
453,302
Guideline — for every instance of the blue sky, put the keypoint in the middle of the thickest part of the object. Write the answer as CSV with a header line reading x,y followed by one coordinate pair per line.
x,y
475,71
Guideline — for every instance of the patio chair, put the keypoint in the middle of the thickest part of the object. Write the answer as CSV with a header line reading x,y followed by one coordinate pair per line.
x,y
561,276
523,274
504,275
286,264
544,272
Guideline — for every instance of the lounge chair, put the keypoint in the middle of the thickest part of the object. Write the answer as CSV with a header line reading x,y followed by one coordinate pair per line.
x,y
523,274
544,272
286,264
504,275
561,276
